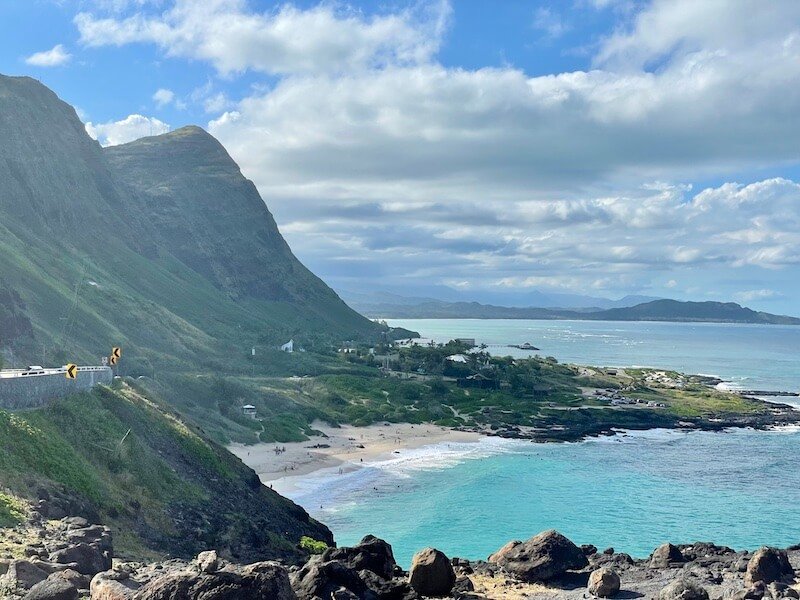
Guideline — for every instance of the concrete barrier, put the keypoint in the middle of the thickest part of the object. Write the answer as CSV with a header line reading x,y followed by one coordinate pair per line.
x,y
19,391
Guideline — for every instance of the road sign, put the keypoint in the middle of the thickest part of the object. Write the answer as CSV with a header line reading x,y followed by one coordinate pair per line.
x,y
104,360
112,359
71,372
116,352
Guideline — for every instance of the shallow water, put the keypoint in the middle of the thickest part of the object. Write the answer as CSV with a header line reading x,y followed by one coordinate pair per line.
x,y
631,492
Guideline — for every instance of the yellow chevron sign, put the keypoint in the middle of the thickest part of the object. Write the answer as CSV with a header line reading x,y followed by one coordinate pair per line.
x,y
112,360
116,352
71,372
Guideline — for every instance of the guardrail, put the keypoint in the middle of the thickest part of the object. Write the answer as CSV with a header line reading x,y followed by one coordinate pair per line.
x,y
10,373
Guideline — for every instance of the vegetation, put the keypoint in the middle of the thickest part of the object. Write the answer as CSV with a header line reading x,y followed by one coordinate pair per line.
x,y
313,546
154,478
12,510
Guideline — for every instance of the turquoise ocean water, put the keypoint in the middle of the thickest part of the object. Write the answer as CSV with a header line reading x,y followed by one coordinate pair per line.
x,y
632,492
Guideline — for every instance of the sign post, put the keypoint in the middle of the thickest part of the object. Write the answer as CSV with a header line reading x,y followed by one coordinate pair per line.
x,y
71,371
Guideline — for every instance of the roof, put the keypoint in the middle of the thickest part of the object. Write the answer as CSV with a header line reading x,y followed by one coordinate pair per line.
x,y
248,407
459,358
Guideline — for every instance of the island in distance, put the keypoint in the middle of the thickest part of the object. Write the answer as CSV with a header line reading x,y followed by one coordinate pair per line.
x,y
654,310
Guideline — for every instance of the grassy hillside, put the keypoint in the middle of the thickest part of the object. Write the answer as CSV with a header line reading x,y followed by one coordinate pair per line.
x,y
161,246
121,457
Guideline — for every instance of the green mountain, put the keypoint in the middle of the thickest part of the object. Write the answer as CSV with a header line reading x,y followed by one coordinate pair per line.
x,y
673,310
161,246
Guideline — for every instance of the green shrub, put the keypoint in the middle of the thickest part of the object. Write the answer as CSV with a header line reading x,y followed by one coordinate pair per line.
x,y
312,546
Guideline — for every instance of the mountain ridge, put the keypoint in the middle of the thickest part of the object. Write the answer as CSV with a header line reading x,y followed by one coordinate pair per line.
x,y
91,263
657,310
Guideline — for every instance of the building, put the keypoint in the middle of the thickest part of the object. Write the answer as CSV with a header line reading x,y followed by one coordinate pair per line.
x,y
477,381
248,410
457,358
288,346
467,342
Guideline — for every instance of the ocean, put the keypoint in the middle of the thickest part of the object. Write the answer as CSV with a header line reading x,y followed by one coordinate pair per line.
x,y
631,492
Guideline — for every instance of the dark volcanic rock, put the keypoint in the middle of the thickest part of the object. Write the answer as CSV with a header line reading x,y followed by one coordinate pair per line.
x,y
541,558
86,558
58,586
370,553
252,582
666,555
322,580
431,573
768,565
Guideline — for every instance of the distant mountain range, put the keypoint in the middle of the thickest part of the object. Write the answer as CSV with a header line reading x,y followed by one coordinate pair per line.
x,y
367,302
654,310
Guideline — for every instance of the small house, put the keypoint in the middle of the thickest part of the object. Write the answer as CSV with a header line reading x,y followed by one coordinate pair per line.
x,y
248,410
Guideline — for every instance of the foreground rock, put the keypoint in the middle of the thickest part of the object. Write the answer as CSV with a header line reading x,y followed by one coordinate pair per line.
x,y
431,573
366,571
541,558
604,582
62,555
768,565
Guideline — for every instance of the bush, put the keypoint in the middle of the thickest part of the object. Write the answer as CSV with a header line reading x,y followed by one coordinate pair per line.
x,y
312,546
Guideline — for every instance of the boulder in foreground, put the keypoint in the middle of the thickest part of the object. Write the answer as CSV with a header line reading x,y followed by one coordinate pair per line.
x,y
604,582
431,573
541,558
768,565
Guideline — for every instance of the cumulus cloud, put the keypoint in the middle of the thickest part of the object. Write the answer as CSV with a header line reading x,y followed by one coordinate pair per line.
x,y
126,130
324,38
491,176
162,97
54,57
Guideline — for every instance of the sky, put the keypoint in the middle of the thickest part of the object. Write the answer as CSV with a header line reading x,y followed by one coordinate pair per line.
x,y
470,149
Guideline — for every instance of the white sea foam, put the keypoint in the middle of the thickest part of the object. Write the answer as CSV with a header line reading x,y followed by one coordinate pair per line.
x,y
331,486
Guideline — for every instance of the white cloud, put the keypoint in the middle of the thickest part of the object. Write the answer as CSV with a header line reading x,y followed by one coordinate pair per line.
x,y
126,130
492,175
550,22
325,38
162,97
54,57
751,295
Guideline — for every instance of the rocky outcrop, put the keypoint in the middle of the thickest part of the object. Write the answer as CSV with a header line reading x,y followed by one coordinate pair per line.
x,y
431,573
251,582
366,571
767,566
541,558
547,567
665,555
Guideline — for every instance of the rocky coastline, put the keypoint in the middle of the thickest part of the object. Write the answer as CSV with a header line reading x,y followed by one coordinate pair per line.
x,y
71,559
775,415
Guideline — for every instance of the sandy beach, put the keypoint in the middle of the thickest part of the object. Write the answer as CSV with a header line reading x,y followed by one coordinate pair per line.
x,y
348,448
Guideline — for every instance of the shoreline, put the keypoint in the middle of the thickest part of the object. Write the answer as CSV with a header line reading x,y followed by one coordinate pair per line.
x,y
346,449
341,450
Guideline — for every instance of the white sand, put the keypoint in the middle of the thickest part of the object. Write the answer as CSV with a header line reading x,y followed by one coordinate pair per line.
x,y
286,469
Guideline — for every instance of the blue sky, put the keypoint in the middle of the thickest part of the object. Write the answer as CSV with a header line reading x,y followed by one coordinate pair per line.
x,y
469,148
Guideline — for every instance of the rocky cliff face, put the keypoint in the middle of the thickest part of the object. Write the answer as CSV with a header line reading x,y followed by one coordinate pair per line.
x,y
201,209
161,245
